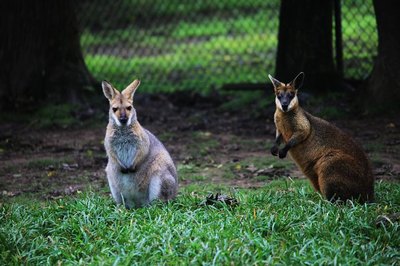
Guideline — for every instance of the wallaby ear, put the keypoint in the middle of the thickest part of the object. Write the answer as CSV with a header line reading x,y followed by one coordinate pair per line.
x,y
297,82
108,90
130,90
275,82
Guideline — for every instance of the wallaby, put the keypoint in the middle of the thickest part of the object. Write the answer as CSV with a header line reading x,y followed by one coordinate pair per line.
x,y
336,166
139,168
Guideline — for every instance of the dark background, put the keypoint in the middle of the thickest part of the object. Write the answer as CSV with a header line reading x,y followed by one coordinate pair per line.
x,y
205,91
58,52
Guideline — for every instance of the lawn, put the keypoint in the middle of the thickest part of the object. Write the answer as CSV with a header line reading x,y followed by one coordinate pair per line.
x,y
56,209
284,222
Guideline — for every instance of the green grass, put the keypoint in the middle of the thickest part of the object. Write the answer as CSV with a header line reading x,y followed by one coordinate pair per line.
x,y
258,100
224,46
268,162
42,163
54,115
200,47
283,223
181,68
191,172
360,39
203,143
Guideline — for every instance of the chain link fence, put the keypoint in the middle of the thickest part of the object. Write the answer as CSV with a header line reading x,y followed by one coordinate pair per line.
x,y
202,45
360,38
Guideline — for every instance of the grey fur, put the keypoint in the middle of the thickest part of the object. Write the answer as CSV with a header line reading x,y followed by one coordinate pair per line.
x,y
124,144
149,161
139,168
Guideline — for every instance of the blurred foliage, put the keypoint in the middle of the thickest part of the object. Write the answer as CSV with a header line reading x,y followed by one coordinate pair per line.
x,y
55,115
180,45
255,101
202,45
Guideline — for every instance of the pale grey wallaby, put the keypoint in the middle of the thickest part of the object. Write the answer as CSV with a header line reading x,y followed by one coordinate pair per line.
x,y
139,168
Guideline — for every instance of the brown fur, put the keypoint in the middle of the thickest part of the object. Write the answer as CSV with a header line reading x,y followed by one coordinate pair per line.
x,y
335,164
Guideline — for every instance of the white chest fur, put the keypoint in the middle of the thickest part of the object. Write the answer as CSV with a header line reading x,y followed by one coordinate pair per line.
x,y
124,143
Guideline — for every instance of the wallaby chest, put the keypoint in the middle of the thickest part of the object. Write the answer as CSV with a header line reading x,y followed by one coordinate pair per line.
x,y
125,144
286,125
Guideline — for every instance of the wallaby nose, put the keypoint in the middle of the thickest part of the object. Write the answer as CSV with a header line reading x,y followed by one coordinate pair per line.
x,y
123,119
285,107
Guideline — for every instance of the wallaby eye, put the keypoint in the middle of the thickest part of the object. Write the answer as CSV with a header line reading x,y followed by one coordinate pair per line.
x,y
115,109
129,108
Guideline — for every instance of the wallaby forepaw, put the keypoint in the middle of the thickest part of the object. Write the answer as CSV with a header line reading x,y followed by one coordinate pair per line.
x,y
282,153
274,150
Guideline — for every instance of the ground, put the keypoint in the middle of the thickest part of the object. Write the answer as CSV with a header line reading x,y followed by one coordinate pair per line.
x,y
208,144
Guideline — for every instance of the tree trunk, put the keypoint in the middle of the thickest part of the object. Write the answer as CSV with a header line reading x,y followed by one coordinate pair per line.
x,y
40,55
305,44
384,84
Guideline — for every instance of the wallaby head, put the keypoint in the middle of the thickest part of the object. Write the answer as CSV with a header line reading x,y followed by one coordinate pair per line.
x,y
286,94
121,112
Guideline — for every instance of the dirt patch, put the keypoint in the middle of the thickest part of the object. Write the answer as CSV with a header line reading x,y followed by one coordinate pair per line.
x,y
207,144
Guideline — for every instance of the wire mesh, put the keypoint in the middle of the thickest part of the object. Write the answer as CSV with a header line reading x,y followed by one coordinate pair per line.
x,y
202,45
360,38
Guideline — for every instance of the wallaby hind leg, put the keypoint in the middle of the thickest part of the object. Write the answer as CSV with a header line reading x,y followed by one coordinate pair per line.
x,y
313,177
111,177
338,180
169,188
334,191
315,184
163,188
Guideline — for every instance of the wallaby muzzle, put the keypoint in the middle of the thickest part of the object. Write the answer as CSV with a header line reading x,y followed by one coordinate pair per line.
x,y
285,101
123,119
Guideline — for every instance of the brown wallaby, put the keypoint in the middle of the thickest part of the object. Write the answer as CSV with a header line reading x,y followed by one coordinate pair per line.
x,y
335,164
139,168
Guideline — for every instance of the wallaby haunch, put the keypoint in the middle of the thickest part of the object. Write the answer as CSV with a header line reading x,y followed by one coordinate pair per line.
x,y
139,168
335,164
